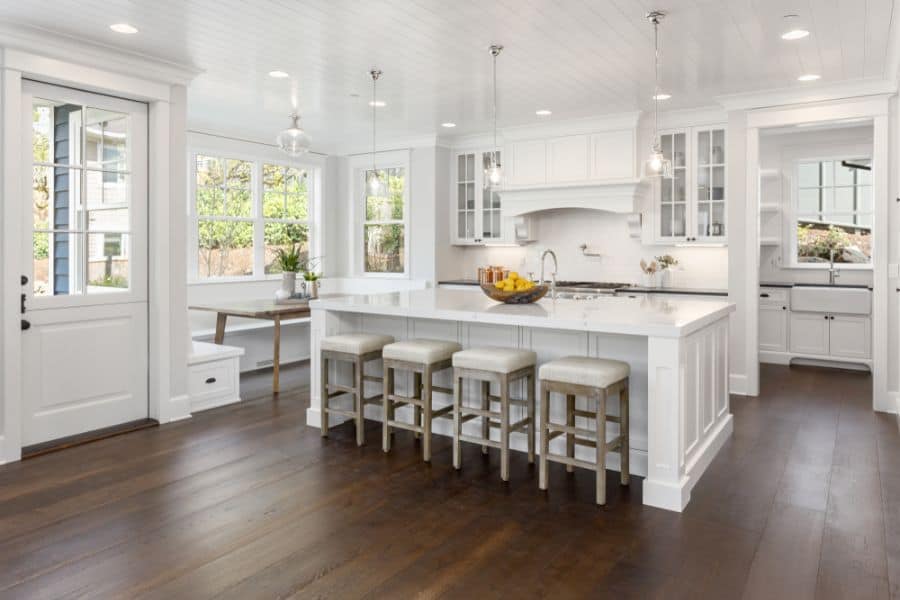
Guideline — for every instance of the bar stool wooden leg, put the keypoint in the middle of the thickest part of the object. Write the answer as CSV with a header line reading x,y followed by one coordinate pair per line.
x,y
417,394
323,377
529,395
545,435
426,409
457,420
504,428
601,447
485,421
570,437
625,449
387,408
360,404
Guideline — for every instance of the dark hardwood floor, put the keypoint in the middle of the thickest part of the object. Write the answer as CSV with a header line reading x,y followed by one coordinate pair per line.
x,y
247,502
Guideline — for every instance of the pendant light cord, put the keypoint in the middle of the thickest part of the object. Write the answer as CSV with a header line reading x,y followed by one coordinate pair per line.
x,y
374,97
494,77
656,78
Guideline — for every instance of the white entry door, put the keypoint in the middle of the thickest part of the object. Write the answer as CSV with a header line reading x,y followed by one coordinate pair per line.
x,y
84,302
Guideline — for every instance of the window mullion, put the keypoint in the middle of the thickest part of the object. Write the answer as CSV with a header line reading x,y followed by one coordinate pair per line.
x,y
259,227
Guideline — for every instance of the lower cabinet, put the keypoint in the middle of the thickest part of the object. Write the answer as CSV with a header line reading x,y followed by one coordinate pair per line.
x,y
836,336
773,328
809,333
850,336
213,375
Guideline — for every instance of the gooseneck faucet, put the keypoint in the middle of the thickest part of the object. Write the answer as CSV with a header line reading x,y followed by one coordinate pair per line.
x,y
553,274
832,272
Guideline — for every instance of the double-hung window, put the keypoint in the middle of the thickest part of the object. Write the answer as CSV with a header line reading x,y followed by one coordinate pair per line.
x,y
833,211
244,211
384,226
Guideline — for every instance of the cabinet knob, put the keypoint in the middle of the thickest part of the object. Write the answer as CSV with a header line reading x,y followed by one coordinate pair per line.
x,y
784,308
210,380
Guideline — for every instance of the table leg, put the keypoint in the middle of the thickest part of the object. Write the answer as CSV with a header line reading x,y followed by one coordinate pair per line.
x,y
220,328
276,353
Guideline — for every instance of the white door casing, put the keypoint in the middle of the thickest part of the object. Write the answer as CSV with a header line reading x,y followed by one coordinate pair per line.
x,y
85,354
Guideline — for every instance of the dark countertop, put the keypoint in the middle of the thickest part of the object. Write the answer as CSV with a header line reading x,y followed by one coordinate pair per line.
x,y
782,284
636,289
665,290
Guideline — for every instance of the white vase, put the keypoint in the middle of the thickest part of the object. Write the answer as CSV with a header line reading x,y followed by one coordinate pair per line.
x,y
649,280
665,278
288,287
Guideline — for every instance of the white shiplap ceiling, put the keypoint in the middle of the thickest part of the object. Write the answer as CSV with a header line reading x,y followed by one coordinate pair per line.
x,y
574,57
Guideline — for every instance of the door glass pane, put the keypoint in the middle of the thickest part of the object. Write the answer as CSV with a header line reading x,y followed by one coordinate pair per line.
x,y
108,219
665,222
225,248
56,132
718,183
679,155
106,140
57,270
718,147
679,225
666,190
470,196
809,175
808,201
703,148
470,167
718,219
106,189
461,167
703,219
665,143
495,226
703,184
461,225
842,174
680,188
470,222
107,262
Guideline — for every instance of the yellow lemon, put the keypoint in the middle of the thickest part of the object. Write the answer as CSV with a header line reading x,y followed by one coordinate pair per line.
x,y
499,285
513,276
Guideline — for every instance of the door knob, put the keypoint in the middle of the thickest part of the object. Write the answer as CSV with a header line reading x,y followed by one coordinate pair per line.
x,y
26,325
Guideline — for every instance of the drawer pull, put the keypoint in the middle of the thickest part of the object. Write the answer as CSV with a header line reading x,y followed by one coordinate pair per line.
x,y
763,295
210,380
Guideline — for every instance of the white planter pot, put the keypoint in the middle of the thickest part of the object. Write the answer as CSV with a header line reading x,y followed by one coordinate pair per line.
x,y
650,280
288,287
665,278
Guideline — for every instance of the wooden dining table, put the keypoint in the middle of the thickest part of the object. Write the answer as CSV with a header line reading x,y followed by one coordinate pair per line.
x,y
257,309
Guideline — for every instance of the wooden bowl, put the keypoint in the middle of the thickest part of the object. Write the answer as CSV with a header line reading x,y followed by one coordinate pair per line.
x,y
524,297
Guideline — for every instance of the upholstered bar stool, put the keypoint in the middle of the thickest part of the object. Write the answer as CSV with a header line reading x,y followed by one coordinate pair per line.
x,y
595,379
503,367
423,358
357,349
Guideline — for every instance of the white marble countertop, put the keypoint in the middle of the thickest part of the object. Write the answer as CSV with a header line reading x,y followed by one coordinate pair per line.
x,y
645,316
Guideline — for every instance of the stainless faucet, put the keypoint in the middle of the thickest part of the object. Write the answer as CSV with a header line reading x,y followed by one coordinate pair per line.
x,y
832,272
555,269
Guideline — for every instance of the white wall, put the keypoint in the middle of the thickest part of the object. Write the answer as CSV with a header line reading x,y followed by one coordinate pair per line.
x,y
779,152
564,231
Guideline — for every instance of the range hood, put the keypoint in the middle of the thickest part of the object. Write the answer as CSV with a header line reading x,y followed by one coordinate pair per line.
x,y
619,196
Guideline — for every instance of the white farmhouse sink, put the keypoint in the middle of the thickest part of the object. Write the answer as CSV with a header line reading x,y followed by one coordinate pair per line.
x,y
848,301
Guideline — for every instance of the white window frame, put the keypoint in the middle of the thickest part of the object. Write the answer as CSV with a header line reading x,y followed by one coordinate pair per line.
x,y
794,213
314,188
359,164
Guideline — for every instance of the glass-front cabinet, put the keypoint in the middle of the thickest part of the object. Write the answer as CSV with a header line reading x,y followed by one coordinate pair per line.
x,y
477,216
691,206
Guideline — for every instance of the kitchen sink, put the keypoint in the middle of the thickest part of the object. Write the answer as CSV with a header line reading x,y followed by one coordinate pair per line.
x,y
831,299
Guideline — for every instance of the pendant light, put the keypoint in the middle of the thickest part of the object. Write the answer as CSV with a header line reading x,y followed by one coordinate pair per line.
x,y
493,173
375,183
657,165
293,141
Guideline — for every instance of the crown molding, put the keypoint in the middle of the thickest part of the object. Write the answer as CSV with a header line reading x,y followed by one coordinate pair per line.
x,y
62,47
820,93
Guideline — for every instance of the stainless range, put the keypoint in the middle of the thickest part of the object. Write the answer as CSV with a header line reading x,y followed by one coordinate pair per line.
x,y
588,290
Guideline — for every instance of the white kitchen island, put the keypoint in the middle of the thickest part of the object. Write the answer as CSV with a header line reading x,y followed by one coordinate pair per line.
x,y
677,349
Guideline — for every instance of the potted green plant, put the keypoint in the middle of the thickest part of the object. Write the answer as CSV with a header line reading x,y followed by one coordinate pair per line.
x,y
289,261
311,277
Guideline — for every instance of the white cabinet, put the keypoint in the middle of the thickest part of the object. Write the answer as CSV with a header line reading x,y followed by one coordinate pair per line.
x,y
567,159
213,375
773,327
572,159
809,333
690,207
527,162
850,336
837,336
476,215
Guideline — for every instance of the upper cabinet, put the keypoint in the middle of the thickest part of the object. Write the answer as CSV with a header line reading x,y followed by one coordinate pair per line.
x,y
478,217
571,159
690,207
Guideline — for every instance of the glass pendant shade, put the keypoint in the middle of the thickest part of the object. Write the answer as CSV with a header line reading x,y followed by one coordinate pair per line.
x,y
293,141
375,185
657,165
493,172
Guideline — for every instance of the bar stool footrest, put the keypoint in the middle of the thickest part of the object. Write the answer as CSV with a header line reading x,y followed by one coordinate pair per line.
x,y
575,462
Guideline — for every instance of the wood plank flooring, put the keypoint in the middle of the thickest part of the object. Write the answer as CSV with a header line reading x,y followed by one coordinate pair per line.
x,y
247,502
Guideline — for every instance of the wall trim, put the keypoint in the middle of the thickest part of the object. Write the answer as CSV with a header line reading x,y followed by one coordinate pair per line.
x,y
737,384
802,95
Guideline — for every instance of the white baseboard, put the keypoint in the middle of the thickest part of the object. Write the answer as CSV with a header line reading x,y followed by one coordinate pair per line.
x,y
737,384
8,455
179,409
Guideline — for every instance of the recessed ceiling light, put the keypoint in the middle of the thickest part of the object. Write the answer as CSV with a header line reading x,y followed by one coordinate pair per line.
x,y
543,112
794,34
123,28
809,77
448,124
662,96
278,74
377,103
